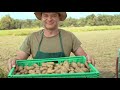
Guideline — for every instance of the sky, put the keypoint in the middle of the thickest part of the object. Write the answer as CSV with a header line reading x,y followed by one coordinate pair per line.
x,y
30,15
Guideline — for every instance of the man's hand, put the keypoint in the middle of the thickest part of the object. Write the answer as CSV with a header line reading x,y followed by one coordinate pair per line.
x,y
20,56
90,60
11,63
81,52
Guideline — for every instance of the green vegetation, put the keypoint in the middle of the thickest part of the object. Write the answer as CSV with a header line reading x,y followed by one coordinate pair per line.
x,y
18,32
23,32
7,22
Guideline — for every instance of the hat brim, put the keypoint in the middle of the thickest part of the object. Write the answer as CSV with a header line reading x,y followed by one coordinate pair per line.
x,y
62,15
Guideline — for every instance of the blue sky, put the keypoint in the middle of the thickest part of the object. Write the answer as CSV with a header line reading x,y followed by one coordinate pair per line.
x,y
30,15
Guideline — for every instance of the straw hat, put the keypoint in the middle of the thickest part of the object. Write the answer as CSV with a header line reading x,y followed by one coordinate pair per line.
x,y
63,15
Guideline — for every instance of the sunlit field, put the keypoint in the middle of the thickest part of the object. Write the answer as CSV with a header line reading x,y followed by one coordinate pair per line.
x,y
101,45
22,32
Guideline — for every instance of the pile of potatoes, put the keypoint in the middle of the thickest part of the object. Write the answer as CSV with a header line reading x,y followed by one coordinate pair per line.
x,y
53,68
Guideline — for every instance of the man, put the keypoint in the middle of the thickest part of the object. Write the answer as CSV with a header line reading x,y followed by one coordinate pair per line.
x,y
51,42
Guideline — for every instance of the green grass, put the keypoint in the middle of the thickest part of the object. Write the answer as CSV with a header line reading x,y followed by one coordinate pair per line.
x,y
23,32
92,28
18,32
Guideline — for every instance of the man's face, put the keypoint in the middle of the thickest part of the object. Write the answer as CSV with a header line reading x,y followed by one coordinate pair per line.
x,y
50,20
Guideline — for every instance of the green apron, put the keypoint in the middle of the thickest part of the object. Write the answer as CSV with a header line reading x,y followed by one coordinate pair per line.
x,y
42,55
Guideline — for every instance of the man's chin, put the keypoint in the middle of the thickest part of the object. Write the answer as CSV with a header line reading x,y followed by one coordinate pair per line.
x,y
50,28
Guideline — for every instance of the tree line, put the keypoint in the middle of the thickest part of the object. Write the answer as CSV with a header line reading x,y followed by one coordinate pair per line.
x,y
9,23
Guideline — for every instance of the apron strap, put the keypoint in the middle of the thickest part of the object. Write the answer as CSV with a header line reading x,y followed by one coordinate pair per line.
x,y
61,41
40,41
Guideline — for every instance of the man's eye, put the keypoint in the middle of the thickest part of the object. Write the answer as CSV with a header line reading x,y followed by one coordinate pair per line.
x,y
54,15
45,16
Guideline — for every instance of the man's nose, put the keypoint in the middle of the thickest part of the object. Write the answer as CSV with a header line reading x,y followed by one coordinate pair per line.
x,y
49,18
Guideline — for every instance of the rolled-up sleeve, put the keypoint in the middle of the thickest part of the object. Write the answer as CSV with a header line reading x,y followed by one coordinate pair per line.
x,y
75,43
25,47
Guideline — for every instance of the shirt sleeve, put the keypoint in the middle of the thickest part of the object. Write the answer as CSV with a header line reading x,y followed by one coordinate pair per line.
x,y
75,43
26,45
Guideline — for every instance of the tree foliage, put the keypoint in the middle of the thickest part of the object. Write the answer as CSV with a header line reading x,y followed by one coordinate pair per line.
x,y
9,23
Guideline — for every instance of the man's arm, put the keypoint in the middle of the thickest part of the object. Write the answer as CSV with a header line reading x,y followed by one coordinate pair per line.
x,y
81,52
20,56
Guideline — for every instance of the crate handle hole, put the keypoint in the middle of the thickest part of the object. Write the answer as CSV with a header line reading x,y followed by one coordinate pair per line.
x,y
55,61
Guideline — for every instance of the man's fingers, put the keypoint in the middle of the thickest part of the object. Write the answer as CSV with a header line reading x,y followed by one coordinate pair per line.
x,y
90,60
86,64
93,62
13,63
9,65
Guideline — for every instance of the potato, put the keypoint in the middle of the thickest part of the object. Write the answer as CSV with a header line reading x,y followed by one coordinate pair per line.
x,y
58,71
74,65
56,64
43,68
50,63
44,64
31,72
26,67
82,65
44,71
63,69
79,64
26,72
22,71
20,68
56,68
71,71
66,65
50,71
16,68
59,66
85,69
80,70
50,66
71,68
36,66
77,70
86,65
37,71
29,67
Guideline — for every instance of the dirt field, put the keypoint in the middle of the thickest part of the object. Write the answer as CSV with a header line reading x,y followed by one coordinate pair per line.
x,y
102,45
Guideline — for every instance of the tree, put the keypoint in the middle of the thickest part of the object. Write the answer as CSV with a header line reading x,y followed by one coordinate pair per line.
x,y
91,20
37,23
6,22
